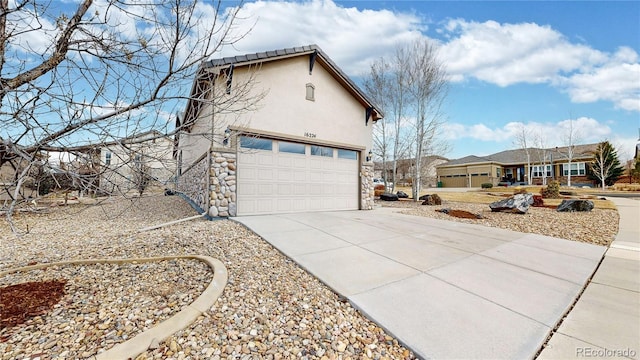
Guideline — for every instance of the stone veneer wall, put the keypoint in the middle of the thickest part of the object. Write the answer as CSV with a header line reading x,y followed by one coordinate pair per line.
x,y
193,182
222,188
366,180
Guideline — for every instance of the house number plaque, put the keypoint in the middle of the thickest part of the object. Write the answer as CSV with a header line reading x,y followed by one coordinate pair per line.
x,y
309,135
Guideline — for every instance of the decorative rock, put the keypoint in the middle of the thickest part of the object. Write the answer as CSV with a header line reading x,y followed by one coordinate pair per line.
x,y
444,210
213,211
389,197
575,205
431,199
232,209
402,195
518,203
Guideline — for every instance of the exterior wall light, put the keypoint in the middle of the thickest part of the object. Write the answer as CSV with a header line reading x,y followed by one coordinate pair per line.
x,y
227,134
369,156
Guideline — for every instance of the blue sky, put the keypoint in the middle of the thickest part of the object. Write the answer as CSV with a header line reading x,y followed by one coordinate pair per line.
x,y
535,63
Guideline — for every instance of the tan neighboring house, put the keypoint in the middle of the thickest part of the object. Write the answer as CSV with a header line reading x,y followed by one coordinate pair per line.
x,y
124,163
510,167
276,132
404,170
118,166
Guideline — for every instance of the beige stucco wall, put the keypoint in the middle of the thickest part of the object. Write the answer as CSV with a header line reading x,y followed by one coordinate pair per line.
x,y
334,117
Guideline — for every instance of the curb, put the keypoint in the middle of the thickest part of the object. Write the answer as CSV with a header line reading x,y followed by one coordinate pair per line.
x,y
141,342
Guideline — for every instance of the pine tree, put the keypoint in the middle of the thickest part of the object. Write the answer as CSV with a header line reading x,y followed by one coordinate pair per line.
x,y
605,168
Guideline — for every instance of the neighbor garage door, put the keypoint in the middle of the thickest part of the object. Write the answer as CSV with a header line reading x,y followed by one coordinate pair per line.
x,y
277,176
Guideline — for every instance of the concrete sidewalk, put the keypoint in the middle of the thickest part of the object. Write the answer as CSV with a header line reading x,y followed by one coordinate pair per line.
x,y
447,290
605,323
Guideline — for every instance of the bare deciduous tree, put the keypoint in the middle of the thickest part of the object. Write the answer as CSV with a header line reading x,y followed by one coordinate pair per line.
x,y
522,140
570,137
73,74
428,89
411,88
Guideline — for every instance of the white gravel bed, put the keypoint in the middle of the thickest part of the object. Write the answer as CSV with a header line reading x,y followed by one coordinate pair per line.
x,y
106,304
598,226
270,308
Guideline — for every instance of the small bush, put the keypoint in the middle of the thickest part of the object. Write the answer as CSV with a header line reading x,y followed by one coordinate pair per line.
x,y
552,191
486,185
378,190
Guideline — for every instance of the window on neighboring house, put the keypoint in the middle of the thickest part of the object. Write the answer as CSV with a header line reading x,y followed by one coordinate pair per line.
x,y
576,169
107,158
541,171
311,92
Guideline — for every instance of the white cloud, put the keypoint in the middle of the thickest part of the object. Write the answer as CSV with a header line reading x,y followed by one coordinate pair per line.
x,y
507,54
352,37
617,81
588,130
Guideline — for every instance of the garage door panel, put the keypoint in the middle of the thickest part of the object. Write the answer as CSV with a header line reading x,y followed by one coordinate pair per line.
x,y
284,189
264,158
265,188
300,189
281,182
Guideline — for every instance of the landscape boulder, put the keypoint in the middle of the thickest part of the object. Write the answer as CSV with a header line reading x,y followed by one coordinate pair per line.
x,y
402,195
518,203
431,199
575,205
388,197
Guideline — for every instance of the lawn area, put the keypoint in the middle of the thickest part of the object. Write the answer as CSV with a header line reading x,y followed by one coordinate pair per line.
x,y
487,196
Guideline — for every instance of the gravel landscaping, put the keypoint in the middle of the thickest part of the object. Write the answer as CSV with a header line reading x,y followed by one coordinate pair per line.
x,y
598,226
270,308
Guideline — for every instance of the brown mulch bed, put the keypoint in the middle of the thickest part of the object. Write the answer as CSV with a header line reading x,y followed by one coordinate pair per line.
x,y
462,214
20,302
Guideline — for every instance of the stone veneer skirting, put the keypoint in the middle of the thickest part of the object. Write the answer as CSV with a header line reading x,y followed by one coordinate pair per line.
x,y
211,183
366,183
194,182
222,188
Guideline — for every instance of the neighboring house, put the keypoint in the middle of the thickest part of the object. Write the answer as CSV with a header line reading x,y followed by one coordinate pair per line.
x,y
143,157
118,166
276,132
404,170
510,166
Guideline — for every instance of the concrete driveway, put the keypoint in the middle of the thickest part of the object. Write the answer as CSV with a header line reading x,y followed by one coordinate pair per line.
x,y
445,289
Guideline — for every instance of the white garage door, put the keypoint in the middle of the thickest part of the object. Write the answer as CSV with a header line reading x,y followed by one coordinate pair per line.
x,y
281,177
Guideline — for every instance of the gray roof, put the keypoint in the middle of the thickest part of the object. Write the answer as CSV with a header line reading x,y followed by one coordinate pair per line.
x,y
519,156
266,56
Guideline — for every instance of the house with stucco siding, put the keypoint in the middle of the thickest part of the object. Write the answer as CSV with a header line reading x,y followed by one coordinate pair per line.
x,y
276,132
511,167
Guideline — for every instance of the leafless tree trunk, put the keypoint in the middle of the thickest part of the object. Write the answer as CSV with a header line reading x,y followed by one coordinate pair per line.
x,y
570,138
522,141
75,74
541,151
377,85
428,89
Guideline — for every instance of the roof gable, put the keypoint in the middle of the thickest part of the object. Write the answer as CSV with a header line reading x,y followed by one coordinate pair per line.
x,y
316,56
